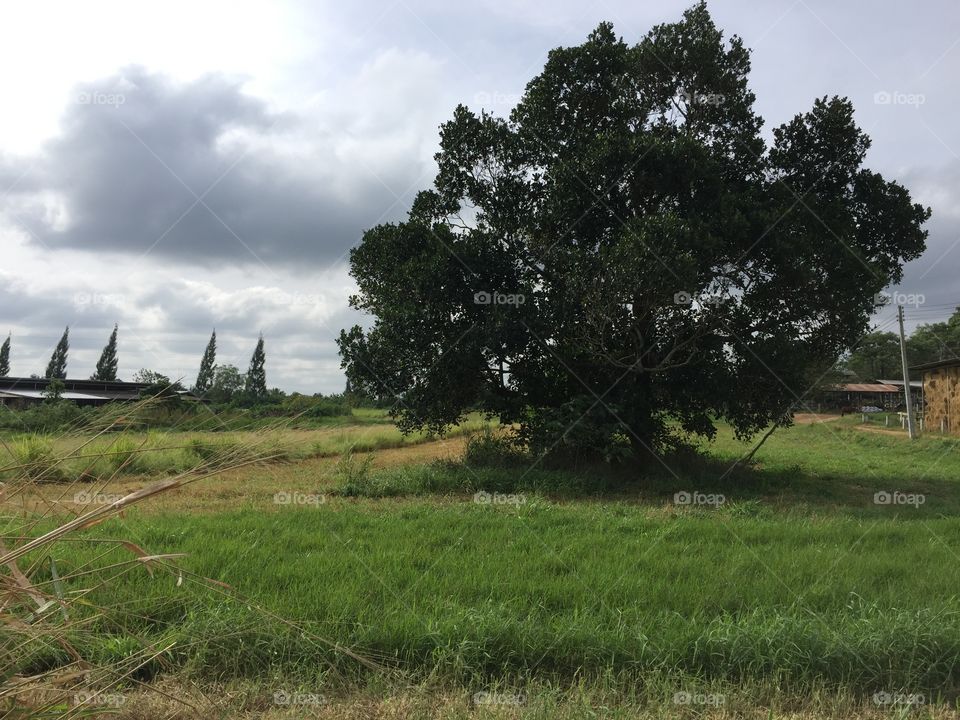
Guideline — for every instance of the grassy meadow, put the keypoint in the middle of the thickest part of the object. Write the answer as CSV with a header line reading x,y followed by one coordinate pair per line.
x,y
425,577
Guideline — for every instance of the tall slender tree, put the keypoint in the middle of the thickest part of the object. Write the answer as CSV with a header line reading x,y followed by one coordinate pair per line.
x,y
207,365
256,384
5,357
57,367
107,364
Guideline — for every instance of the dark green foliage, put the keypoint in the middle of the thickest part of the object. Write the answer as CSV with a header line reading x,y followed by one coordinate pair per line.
x,y
57,367
107,364
306,406
54,391
207,366
935,341
490,448
876,356
255,385
227,382
637,262
5,357
45,417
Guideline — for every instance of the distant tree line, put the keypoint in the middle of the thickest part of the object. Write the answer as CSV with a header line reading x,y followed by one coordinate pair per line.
x,y
219,383
877,355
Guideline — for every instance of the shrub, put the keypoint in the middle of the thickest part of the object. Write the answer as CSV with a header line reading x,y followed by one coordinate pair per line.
x,y
492,449
45,417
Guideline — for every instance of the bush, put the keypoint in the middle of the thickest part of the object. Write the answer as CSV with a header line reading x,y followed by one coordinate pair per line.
x,y
45,417
493,449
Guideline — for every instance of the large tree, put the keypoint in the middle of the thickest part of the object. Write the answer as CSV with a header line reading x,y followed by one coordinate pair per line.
x,y
57,367
5,357
107,364
876,356
208,365
624,260
256,380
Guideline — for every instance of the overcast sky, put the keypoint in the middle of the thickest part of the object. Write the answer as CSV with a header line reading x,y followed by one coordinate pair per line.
x,y
179,166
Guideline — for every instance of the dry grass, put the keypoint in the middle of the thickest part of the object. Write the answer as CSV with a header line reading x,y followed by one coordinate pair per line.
x,y
36,613
176,700
234,487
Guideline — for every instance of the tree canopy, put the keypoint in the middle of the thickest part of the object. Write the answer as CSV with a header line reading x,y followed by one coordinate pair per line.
x,y
624,259
876,355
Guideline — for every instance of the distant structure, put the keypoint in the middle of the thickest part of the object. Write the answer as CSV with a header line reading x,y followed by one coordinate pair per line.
x,y
23,392
941,392
857,395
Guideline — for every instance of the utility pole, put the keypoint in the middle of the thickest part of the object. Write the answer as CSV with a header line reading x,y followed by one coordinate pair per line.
x,y
906,376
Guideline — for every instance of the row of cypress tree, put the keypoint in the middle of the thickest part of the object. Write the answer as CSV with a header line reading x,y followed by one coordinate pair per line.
x,y
255,381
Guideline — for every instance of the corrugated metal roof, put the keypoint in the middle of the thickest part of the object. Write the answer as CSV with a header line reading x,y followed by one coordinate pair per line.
x,y
39,394
866,388
950,362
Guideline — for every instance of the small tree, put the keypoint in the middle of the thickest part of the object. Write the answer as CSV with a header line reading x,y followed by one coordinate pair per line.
x,y
54,391
57,367
107,364
228,381
151,377
256,383
207,365
5,357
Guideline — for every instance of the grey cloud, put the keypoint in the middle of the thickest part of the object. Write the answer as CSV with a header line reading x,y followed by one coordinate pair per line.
x,y
195,173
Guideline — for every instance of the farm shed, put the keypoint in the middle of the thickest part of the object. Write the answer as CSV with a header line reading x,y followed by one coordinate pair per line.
x,y
941,391
857,395
20,392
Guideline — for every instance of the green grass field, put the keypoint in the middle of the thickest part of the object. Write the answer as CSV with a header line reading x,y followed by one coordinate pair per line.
x,y
464,577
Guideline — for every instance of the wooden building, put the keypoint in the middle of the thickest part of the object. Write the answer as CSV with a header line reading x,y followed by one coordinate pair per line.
x,y
941,392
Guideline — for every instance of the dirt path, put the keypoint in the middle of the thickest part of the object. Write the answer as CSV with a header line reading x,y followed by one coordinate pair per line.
x,y
811,418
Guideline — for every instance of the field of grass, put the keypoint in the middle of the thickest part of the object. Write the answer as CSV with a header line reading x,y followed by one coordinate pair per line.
x,y
815,580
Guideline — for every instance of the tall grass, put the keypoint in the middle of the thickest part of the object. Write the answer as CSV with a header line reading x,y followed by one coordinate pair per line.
x,y
61,654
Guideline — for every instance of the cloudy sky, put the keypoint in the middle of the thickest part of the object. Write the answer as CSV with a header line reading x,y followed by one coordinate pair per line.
x,y
179,166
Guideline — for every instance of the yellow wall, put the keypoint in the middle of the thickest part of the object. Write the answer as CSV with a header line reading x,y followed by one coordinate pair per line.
x,y
941,393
